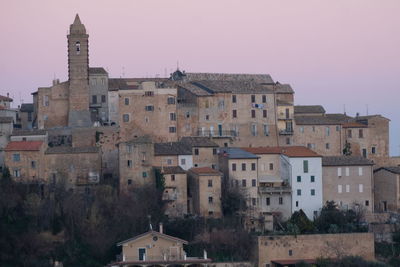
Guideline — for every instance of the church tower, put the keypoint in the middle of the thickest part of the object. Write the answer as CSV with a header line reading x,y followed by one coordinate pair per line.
x,y
78,74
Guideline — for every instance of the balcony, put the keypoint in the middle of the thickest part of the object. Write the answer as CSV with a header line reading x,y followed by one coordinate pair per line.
x,y
274,189
95,105
169,197
285,117
286,132
217,133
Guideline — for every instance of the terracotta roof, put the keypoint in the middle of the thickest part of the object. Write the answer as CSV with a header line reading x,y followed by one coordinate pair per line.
x,y
19,132
316,120
354,125
199,141
172,148
5,98
309,109
24,146
71,150
345,161
258,78
395,170
153,233
290,151
6,119
205,170
171,169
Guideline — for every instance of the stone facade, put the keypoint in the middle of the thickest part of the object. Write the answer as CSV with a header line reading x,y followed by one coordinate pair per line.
x,y
98,95
387,189
274,250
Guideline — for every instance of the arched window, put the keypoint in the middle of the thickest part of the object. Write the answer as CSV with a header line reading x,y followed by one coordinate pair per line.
x,y
78,48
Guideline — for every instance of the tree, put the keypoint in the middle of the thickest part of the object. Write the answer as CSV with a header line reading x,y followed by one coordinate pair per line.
x,y
347,149
299,223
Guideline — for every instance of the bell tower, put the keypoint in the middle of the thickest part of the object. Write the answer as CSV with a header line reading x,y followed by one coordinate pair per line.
x,y
78,75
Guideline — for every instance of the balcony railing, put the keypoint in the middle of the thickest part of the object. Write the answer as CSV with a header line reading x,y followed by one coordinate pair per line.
x,y
274,189
286,132
282,116
169,197
217,133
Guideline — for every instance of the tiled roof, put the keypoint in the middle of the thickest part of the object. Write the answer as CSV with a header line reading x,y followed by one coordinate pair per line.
x,y
354,125
283,103
18,132
198,141
339,117
6,119
171,169
5,98
172,148
97,71
309,109
140,140
24,146
27,107
205,170
395,170
153,233
290,151
345,161
237,153
315,120
71,150
257,78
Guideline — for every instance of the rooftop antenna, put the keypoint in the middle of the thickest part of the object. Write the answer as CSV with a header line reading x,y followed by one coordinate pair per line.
x,y
123,71
367,110
150,226
177,65
165,72
344,109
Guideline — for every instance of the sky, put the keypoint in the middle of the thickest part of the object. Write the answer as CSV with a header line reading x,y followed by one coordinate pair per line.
x,y
342,54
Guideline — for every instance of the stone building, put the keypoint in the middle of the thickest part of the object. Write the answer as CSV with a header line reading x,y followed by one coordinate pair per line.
x,y
277,251
136,163
6,128
98,95
204,151
386,189
205,192
173,154
25,160
5,101
348,180
26,116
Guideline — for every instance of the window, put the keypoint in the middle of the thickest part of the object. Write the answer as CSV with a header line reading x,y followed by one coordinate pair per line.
x,y
214,151
172,116
149,108
243,182
237,183
129,163
301,129
221,104
305,166
313,128
187,114
264,99
78,48
360,188
33,164
312,178
129,149
103,99
125,118
29,116
129,181
253,113
299,179
233,167
360,133
327,131
264,113
340,189
327,146
207,117
46,101
253,182
172,177
347,188
210,183
196,151
149,93
253,166
366,203
172,129
360,171
126,101
267,201
347,171
254,201
339,172
299,192
16,157
266,130
254,129
233,98
253,98
144,174
183,161
271,166
234,113
243,166
169,161
290,252
287,140
210,200
313,192
280,200
349,133
171,100
373,150
297,203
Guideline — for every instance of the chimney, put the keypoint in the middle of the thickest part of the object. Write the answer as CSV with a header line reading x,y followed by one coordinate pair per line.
x,y
8,94
161,228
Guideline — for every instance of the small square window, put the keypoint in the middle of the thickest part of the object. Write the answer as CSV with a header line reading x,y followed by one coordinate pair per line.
x,y
312,178
243,166
144,174
373,150
244,183
253,182
33,164
214,151
253,98
290,252
299,192
271,166
253,113
172,129
210,199
233,98
264,99
264,113
172,177
103,99
125,118
253,166
171,100
299,179
233,166
234,113
313,192
196,151
210,183
16,157
126,100
129,181
366,203
267,201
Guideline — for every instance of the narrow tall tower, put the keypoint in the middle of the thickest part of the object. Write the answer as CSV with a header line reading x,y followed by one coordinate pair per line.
x,y
78,74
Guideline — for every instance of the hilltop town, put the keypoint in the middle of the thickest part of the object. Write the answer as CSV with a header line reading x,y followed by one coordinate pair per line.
x,y
193,160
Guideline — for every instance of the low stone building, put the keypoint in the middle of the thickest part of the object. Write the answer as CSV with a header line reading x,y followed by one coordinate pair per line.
x,y
25,160
386,189
204,151
277,251
173,154
5,101
348,180
6,128
205,192
26,116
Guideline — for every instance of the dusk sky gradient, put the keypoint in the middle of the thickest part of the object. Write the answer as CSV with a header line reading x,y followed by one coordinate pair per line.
x,y
334,53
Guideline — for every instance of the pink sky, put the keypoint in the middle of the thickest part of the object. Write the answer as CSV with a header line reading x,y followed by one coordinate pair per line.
x,y
334,53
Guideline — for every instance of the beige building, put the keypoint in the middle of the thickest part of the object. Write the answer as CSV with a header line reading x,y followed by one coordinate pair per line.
x,y
204,151
136,163
205,192
25,160
173,154
26,116
156,248
348,180
175,191
5,101
277,251
387,189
